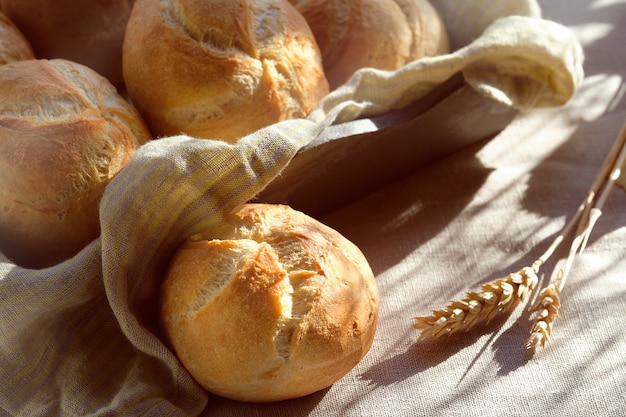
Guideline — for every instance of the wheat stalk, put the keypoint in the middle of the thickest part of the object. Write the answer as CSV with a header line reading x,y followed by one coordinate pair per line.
x,y
504,294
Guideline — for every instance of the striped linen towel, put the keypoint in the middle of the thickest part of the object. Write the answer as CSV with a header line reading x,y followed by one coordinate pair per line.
x,y
80,338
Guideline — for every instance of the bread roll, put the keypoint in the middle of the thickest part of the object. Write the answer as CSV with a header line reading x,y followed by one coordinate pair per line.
x,y
13,45
64,133
90,32
220,69
383,34
273,305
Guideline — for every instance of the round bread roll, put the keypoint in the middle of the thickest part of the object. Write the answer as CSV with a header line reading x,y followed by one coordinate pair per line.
x,y
275,305
13,45
64,133
383,34
220,69
90,32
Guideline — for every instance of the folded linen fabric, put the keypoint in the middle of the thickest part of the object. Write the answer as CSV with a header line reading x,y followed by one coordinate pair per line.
x,y
80,338
520,61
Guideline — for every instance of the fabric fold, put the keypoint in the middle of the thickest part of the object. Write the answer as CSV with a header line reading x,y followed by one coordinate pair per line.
x,y
520,61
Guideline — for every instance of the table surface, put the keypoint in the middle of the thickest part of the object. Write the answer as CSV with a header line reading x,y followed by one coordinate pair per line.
x,y
476,216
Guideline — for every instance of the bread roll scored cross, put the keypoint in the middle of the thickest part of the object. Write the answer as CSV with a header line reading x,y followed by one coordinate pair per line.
x,y
383,34
220,69
65,132
270,305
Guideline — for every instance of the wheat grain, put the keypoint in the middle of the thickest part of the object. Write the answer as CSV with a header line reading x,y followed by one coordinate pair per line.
x,y
547,310
499,296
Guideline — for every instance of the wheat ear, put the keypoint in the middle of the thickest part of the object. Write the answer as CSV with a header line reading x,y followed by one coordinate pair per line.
x,y
547,310
495,297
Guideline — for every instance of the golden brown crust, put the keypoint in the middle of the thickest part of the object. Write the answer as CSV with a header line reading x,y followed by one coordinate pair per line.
x,y
13,45
90,32
220,69
383,34
64,133
275,305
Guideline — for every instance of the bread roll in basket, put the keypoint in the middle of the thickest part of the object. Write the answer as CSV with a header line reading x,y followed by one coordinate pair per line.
x,y
269,305
220,69
89,32
64,133
383,34
13,45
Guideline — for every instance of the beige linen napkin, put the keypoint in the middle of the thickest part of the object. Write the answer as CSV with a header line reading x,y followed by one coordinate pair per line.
x,y
80,338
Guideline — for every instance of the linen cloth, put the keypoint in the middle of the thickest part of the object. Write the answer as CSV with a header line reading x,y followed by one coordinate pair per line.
x,y
80,338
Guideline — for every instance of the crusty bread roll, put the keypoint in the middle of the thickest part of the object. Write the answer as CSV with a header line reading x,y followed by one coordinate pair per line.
x,y
90,32
13,45
64,133
220,69
383,34
273,305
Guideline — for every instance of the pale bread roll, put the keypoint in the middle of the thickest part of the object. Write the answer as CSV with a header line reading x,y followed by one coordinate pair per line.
x,y
64,133
273,305
383,34
90,32
13,45
220,69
